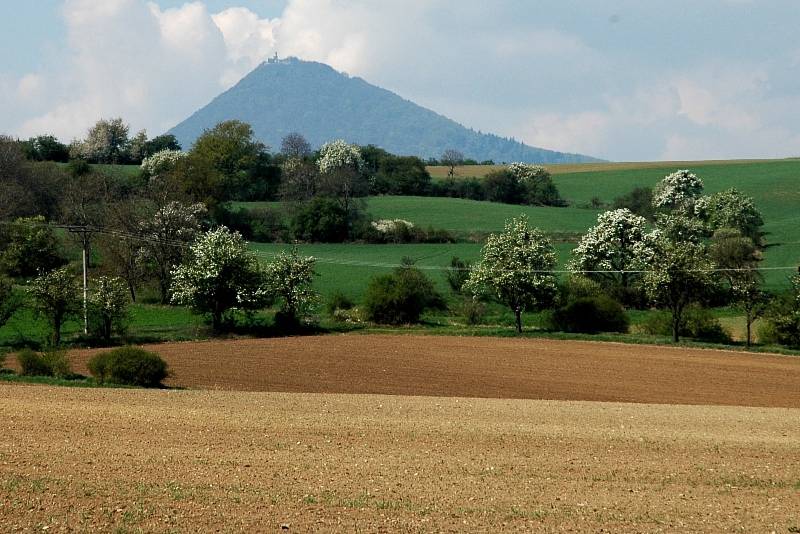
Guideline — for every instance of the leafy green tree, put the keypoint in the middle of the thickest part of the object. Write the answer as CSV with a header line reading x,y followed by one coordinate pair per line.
x,y
738,257
678,273
537,183
321,220
160,143
289,279
9,302
109,304
401,297
731,209
504,186
639,201
219,275
46,148
56,297
457,274
783,316
516,269
29,246
230,149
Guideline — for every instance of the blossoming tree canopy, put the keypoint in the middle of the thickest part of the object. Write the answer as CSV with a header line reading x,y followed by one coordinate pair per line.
x,y
516,269
340,155
678,191
608,249
162,162
221,274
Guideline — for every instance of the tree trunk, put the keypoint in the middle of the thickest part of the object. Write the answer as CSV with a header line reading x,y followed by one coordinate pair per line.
x,y
132,289
57,330
163,286
749,327
518,315
676,325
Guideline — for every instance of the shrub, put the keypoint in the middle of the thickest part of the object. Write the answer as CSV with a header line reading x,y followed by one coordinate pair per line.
x,y
58,364
322,220
401,297
131,366
457,274
590,315
698,323
54,363
339,301
32,364
782,323
473,311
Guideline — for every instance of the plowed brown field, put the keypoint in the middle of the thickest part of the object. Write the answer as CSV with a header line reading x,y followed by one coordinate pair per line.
x,y
198,461
484,367
118,460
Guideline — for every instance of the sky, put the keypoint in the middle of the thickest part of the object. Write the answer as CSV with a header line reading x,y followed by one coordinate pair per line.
x,y
623,80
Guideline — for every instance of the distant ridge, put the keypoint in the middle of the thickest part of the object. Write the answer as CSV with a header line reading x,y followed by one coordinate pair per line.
x,y
290,95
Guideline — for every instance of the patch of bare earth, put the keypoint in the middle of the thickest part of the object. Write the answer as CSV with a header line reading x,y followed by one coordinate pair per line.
x,y
189,461
483,367
290,448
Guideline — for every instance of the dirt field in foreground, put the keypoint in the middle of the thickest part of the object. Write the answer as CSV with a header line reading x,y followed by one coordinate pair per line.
x,y
188,461
484,367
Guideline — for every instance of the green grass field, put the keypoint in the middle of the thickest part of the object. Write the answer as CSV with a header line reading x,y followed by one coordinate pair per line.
x,y
774,185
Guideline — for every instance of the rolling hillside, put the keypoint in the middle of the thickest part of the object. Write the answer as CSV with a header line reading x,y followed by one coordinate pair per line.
x,y
278,98
774,185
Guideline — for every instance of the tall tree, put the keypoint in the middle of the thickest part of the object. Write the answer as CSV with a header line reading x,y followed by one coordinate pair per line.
x,y
516,269
607,252
166,237
295,145
451,158
677,274
56,297
218,275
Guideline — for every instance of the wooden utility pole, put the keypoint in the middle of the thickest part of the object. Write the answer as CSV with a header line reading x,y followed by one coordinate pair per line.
x,y
85,233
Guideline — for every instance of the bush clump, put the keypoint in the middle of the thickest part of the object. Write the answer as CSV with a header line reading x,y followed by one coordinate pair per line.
x,y
698,323
590,315
401,297
54,363
130,366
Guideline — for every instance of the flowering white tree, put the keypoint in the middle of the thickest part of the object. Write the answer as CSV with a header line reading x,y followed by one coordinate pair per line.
x,y
341,169
219,275
109,301
289,280
161,162
106,142
516,269
608,249
167,234
677,273
678,191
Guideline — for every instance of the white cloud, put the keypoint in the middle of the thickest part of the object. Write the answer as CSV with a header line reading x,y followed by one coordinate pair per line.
x,y
132,59
548,83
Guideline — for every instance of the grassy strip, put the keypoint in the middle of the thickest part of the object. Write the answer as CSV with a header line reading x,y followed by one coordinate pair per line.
x,y
84,382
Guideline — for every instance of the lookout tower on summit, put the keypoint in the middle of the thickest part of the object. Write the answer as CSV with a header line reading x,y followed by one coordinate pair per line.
x,y
274,59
